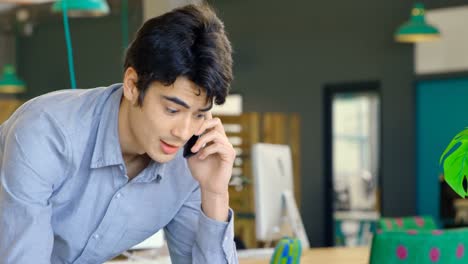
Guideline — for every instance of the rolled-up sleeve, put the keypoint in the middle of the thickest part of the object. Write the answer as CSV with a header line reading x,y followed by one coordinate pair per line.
x,y
194,238
32,157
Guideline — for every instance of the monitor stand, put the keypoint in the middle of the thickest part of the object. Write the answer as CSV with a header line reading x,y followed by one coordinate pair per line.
x,y
292,220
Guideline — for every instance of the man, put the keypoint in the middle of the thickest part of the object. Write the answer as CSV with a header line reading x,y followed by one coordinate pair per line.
x,y
87,174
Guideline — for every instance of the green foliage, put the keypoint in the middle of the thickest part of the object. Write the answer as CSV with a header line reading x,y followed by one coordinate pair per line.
x,y
455,162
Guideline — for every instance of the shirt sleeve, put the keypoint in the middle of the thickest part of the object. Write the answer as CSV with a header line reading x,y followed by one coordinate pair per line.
x,y
32,156
194,238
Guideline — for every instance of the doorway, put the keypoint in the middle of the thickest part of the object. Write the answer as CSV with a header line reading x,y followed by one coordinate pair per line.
x,y
352,162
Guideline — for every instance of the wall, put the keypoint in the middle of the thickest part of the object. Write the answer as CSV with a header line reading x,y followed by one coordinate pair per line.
x,y
440,115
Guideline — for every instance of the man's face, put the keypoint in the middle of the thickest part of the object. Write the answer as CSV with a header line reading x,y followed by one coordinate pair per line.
x,y
170,115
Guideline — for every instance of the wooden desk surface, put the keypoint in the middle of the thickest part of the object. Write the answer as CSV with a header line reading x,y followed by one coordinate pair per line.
x,y
338,255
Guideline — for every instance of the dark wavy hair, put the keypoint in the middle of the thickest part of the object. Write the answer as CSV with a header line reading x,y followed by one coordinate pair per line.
x,y
188,41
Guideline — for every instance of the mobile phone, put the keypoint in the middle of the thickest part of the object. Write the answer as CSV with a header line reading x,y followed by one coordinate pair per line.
x,y
187,152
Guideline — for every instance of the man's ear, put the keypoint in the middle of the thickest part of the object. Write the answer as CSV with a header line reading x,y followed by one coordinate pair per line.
x,y
130,90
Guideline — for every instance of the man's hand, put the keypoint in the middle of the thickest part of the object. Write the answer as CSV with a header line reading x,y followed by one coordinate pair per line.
x,y
212,167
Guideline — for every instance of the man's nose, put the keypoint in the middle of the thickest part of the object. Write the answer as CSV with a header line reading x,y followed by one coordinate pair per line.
x,y
183,129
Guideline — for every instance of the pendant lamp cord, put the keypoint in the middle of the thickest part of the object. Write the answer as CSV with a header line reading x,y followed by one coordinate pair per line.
x,y
66,26
124,24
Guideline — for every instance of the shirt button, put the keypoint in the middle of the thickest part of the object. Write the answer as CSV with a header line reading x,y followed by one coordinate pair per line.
x,y
118,195
96,236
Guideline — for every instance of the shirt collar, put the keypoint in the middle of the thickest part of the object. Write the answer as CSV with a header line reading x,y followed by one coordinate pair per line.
x,y
154,172
107,149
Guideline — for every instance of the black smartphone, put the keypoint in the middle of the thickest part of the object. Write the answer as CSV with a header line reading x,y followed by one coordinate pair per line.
x,y
187,152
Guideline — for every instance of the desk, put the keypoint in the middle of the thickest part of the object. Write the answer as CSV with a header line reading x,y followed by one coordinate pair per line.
x,y
338,255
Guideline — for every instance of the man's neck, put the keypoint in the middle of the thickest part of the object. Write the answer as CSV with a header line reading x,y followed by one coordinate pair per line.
x,y
135,164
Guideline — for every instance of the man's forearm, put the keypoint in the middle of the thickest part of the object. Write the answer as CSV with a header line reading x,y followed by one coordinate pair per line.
x,y
215,205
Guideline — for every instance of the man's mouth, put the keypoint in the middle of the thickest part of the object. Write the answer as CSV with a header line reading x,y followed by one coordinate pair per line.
x,y
168,148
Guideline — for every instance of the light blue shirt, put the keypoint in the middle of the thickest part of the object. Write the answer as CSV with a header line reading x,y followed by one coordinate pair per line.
x,y
65,196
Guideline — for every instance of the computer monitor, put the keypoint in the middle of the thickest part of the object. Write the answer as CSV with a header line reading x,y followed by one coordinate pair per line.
x,y
274,188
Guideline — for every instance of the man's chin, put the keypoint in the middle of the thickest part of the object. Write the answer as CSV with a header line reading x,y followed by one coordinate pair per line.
x,y
163,158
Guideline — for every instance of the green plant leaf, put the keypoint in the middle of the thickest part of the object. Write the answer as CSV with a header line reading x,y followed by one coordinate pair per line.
x,y
454,141
455,162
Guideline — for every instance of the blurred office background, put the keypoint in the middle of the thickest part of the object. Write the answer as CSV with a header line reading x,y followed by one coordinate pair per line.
x,y
375,114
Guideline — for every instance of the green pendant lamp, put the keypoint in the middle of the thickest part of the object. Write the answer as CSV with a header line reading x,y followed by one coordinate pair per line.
x,y
82,8
417,30
77,8
10,83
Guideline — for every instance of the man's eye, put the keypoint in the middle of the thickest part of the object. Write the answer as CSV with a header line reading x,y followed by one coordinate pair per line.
x,y
200,116
171,111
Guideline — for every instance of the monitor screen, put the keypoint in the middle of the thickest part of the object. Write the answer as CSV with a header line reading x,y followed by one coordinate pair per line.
x,y
273,175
